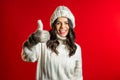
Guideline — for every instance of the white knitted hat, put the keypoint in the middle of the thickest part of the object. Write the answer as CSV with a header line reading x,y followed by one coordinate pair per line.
x,y
62,11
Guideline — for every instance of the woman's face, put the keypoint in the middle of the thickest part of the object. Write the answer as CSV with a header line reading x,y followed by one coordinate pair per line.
x,y
62,26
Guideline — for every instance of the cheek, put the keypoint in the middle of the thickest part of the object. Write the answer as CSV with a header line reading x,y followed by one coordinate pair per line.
x,y
68,28
57,28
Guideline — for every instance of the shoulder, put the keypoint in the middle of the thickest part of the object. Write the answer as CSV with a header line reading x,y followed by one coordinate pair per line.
x,y
78,46
78,49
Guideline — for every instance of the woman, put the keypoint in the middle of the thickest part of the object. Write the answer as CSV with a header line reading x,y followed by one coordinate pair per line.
x,y
58,56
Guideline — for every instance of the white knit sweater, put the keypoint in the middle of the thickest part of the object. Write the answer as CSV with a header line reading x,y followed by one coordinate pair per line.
x,y
55,67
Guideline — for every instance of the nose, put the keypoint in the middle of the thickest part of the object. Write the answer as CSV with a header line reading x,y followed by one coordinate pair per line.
x,y
62,25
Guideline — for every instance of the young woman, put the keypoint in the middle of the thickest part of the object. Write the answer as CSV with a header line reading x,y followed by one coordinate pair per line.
x,y
58,56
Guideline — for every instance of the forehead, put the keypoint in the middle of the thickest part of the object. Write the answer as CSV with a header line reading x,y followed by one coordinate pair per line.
x,y
62,19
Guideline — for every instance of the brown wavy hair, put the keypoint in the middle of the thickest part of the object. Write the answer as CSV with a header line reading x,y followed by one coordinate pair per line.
x,y
53,42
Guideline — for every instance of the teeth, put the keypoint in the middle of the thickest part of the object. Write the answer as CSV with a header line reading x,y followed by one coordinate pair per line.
x,y
62,30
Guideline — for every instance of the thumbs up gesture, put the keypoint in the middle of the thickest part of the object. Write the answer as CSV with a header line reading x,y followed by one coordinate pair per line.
x,y
39,35
43,35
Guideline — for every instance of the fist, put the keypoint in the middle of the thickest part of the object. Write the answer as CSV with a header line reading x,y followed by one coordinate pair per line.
x,y
40,35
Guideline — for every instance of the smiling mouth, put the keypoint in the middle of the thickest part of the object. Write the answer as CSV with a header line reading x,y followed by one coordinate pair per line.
x,y
62,31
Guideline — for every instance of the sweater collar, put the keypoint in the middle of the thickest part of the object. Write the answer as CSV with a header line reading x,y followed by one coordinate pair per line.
x,y
62,40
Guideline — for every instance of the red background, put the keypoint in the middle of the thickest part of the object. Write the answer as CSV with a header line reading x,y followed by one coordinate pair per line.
x,y
97,29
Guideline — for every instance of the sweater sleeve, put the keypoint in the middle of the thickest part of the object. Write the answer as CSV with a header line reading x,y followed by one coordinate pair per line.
x,y
78,66
31,54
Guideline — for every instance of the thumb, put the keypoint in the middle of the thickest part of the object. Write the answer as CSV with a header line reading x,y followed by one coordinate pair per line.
x,y
40,25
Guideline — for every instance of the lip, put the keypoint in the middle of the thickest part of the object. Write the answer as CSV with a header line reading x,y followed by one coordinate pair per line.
x,y
62,31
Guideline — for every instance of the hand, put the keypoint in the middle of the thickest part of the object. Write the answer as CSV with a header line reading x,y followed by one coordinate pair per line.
x,y
41,35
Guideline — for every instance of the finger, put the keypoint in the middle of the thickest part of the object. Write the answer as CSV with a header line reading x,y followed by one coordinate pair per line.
x,y
40,25
31,40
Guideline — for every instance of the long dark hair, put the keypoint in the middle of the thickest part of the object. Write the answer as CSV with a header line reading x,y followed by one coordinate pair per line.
x,y
53,42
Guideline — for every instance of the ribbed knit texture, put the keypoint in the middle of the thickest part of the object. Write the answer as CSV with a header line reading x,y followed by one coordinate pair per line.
x,y
55,67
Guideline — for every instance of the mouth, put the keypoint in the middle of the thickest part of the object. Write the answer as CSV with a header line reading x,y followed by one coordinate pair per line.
x,y
62,31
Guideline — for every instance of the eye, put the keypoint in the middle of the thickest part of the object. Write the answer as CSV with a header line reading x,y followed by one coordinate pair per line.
x,y
66,23
58,23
